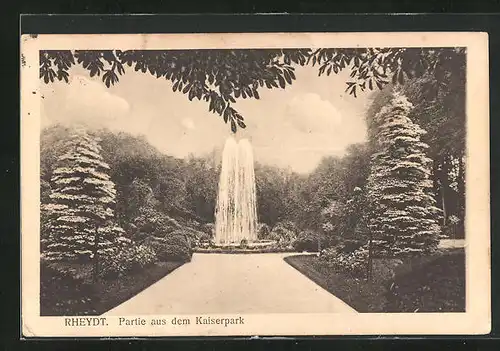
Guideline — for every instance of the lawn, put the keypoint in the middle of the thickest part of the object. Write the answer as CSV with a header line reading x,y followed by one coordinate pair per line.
x,y
426,284
76,294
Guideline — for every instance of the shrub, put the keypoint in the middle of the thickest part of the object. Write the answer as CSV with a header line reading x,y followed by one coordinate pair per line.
x,y
172,247
284,233
308,240
209,230
263,231
130,259
155,223
354,262
67,290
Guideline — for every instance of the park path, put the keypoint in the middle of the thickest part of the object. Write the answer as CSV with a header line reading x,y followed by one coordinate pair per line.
x,y
227,283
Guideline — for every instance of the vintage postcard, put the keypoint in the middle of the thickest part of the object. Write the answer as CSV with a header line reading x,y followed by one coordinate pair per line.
x,y
255,184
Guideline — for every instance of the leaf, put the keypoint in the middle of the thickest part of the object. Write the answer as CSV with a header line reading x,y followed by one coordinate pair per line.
x,y
281,82
395,78
401,77
233,126
287,77
106,78
249,92
256,94
211,105
241,123
120,68
176,85
226,115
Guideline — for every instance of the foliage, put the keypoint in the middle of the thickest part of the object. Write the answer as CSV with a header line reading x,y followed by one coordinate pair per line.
x,y
201,183
277,194
354,262
219,77
152,222
263,231
360,294
66,290
438,286
439,108
403,216
309,240
332,217
131,259
173,247
452,227
79,217
435,285
354,219
284,233
325,192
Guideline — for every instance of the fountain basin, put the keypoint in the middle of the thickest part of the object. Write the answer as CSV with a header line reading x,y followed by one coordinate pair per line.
x,y
260,246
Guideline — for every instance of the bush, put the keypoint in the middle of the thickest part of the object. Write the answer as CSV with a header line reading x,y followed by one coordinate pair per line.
x,y
153,223
130,259
435,286
354,262
173,247
308,241
263,231
284,233
209,230
67,290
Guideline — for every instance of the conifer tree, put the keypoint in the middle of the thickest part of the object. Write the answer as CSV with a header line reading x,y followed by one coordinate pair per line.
x,y
80,212
403,218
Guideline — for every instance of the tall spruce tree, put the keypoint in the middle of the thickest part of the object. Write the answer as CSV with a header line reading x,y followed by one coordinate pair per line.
x,y
403,218
80,216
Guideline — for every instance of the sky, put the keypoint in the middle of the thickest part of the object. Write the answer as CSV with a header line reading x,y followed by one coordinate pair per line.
x,y
293,127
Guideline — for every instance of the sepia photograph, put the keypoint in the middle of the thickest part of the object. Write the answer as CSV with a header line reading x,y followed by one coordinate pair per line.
x,y
264,184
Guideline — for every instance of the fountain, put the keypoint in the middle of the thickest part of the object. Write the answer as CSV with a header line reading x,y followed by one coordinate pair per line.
x,y
236,212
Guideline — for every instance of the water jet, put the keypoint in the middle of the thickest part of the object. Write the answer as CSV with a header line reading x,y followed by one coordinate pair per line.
x,y
236,211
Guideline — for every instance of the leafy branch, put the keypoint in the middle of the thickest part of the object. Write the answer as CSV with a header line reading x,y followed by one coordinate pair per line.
x,y
220,77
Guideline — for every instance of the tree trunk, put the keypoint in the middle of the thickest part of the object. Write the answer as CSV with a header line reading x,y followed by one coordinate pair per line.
x,y
443,181
443,205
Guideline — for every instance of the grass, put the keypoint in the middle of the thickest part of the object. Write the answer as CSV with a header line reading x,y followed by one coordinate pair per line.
x,y
77,294
425,284
116,291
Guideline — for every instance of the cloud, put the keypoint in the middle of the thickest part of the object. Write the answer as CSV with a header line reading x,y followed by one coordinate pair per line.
x,y
84,101
309,113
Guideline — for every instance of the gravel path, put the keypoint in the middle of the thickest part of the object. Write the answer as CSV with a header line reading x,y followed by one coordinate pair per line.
x,y
226,283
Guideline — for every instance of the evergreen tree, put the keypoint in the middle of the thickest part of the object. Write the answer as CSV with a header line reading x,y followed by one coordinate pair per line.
x,y
80,216
403,218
